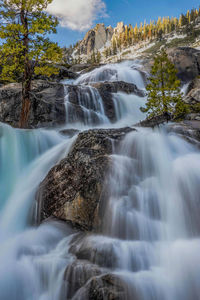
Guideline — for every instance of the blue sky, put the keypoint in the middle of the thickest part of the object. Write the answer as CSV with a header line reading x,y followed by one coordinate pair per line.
x,y
110,12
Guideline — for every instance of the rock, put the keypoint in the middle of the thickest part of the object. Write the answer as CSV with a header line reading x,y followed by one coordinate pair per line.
x,y
79,67
91,68
89,248
78,273
118,86
188,130
66,73
95,39
193,93
187,62
72,190
47,104
103,287
81,96
155,121
106,89
69,132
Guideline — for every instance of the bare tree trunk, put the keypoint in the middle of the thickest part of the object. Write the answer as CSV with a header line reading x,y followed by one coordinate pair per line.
x,y
27,77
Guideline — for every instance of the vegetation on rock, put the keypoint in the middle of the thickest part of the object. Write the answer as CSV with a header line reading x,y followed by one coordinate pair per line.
x,y
164,95
25,50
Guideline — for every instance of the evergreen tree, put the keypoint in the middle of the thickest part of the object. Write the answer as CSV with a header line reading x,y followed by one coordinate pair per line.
x,y
25,50
164,94
98,57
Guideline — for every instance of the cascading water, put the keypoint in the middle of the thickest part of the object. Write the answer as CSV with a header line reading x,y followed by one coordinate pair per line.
x,y
150,236
87,109
126,71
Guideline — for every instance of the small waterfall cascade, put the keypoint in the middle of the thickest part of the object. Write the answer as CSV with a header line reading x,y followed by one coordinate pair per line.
x,y
151,232
85,107
28,255
126,71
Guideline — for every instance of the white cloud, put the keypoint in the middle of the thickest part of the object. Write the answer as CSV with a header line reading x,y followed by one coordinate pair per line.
x,y
77,14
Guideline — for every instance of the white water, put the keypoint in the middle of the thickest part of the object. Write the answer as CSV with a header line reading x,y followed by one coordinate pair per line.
x,y
125,71
151,231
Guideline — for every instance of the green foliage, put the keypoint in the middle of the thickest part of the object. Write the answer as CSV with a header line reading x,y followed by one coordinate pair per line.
x,y
23,29
164,94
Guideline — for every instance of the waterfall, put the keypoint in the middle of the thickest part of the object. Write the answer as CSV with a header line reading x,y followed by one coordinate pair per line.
x,y
28,255
87,108
151,223
150,233
114,72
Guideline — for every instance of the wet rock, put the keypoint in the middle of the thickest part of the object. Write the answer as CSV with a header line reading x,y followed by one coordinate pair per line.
x,y
106,89
78,273
88,248
73,189
103,287
155,121
188,130
118,86
47,104
69,132
187,62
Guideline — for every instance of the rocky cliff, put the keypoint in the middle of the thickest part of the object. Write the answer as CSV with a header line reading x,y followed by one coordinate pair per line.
x,y
95,39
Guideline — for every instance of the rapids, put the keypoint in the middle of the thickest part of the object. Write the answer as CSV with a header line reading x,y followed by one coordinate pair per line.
x,y
151,231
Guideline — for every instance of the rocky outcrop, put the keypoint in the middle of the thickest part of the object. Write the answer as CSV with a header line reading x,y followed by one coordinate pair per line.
x,y
187,62
95,39
188,130
104,287
155,121
80,96
117,86
73,190
193,99
47,104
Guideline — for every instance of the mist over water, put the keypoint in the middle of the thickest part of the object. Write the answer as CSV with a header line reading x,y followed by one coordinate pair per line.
x,y
150,234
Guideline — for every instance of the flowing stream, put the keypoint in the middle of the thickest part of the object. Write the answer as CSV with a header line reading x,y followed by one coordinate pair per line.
x,y
151,227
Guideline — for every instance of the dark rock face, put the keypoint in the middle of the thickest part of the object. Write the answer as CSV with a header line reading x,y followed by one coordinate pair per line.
x,y
118,86
72,191
106,89
47,104
187,62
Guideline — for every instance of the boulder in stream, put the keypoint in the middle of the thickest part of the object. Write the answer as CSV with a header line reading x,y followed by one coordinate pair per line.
x,y
73,189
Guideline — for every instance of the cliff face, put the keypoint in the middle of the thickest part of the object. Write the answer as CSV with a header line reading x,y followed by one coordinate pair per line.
x,y
95,39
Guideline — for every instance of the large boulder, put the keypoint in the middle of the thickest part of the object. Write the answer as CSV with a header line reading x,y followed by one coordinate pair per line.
x,y
187,62
73,189
47,104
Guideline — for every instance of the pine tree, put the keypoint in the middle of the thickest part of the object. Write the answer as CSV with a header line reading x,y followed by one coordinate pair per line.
x,y
98,57
25,50
164,96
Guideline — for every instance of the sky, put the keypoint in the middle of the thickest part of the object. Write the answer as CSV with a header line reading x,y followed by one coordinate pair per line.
x,y
78,16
